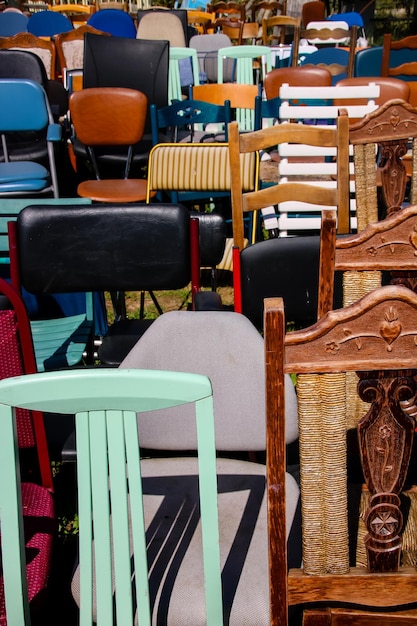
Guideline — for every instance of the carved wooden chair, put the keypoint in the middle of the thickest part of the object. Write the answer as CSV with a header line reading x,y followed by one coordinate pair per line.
x,y
376,338
390,127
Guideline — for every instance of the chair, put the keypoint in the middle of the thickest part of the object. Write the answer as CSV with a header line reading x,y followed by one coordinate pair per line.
x,y
231,27
389,88
183,70
368,62
99,117
241,98
130,254
279,23
48,23
169,25
297,162
77,13
314,11
227,9
200,20
340,62
12,23
249,143
127,393
262,9
245,56
70,51
399,60
105,66
25,108
374,337
190,120
390,127
207,47
31,43
113,21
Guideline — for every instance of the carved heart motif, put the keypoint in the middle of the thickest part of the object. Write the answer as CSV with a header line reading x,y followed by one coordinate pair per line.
x,y
395,119
390,331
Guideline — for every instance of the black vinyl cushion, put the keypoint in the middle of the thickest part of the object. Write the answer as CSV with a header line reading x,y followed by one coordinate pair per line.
x,y
286,267
213,231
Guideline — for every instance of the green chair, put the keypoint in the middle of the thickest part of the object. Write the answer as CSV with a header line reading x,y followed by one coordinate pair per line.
x,y
112,540
176,55
245,56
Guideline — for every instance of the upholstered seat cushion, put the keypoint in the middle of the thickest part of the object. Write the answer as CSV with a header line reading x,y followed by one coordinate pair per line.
x,y
18,171
174,541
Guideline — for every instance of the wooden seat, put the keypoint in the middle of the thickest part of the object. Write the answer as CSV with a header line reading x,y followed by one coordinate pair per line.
x,y
110,117
376,338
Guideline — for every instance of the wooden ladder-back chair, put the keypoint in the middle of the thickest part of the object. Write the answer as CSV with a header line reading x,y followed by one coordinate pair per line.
x,y
336,196
261,9
228,9
280,23
376,338
399,59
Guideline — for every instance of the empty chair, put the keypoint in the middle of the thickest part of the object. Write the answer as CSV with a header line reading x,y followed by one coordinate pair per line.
x,y
12,23
232,27
244,57
48,23
389,88
110,117
227,9
25,108
314,11
43,48
183,71
399,60
274,31
262,9
241,98
168,25
113,21
368,61
207,47
77,13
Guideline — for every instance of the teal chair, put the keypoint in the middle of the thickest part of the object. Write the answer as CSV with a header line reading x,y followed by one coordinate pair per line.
x,y
244,57
178,57
24,108
110,500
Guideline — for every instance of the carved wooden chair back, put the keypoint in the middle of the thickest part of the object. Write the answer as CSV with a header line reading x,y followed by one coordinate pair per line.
x,y
262,9
390,127
227,9
377,333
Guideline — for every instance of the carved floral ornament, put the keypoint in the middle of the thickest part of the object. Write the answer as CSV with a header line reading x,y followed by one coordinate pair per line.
x,y
389,330
396,121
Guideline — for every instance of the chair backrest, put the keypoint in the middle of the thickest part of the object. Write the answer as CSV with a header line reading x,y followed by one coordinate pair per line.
x,y
113,21
279,24
189,117
295,76
127,256
196,167
374,337
335,195
70,47
241,98
262,9
77,13
166,24
389,88
244,57
321,108
105,66
339,62
42,48
227,9
399,58
181,60
48,23
314,11
207,47
109,464
368,62
230,26
12,23
22,64
390,128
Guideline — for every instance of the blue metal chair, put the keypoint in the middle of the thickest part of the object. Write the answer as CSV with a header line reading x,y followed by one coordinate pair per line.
x,y
24,108
48,24
113,21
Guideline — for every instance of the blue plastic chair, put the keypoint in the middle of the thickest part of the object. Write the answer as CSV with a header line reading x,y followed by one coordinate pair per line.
x,y
368,62
24,108
12,23
48,24
113,21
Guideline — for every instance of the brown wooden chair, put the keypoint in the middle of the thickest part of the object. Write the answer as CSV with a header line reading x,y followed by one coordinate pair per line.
x,y
389,128
262,9
241,97
330,38
43,48
270,37
389,88
107,116
376,338
399,59
228,9
230,26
